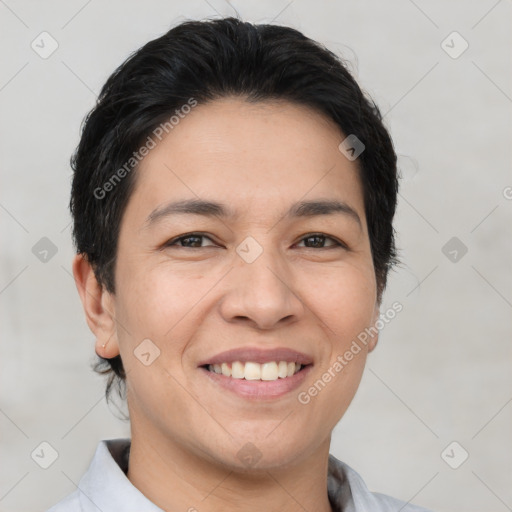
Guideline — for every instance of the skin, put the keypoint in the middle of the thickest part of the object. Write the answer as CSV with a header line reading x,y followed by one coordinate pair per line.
x,y
199,300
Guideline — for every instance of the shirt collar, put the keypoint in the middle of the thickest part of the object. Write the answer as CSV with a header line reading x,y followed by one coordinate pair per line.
x,y
106,488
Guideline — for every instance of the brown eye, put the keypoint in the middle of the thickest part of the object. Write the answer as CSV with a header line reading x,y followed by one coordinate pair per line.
x,y
190,240
312,241
317,241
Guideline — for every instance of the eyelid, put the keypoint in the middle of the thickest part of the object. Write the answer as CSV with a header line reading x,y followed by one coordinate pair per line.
x,y
173,241
337,242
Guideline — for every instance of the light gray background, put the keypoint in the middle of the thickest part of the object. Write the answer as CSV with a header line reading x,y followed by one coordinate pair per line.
x,y
441,372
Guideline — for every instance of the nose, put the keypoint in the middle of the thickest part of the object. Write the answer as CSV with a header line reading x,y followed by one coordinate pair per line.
x,y
261,294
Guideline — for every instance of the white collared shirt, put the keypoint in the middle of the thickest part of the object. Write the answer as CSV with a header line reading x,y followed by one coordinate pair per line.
x,y
106,488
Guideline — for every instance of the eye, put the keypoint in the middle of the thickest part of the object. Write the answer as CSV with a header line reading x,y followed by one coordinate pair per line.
x,y
189,240
318,239
193,241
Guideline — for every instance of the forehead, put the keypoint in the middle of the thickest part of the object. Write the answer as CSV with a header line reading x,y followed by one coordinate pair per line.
x,y
254,157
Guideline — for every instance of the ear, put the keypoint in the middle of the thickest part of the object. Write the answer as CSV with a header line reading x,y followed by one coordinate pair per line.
x,y
374,338
98,306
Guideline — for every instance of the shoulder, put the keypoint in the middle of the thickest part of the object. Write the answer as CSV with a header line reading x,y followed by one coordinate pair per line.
x,y
70,503
103,483
390,504
348,491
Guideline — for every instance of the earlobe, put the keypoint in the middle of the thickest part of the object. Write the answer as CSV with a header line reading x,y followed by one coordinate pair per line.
x,y
374,338
98,306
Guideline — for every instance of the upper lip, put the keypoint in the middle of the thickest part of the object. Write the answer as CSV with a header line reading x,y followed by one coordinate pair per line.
x,y
258,355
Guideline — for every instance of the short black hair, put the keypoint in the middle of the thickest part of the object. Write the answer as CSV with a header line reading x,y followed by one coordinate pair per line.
x,y
207,60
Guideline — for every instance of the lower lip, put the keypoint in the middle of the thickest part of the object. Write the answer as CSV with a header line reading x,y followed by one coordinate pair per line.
x,y
259,389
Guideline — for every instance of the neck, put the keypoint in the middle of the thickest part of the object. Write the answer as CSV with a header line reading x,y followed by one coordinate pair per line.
x,y
175,479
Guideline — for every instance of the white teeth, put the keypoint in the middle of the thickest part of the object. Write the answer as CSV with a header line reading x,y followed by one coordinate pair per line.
x,y
269,371
282,372
226,370
252,371
237,370
272,370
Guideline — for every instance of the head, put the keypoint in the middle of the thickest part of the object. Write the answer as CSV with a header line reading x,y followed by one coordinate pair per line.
x,y
290,244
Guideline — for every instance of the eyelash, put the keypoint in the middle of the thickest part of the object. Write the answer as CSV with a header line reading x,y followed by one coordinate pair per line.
x,y
173,241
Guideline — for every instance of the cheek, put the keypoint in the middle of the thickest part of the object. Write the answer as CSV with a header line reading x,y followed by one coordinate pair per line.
x,y
153,298
345,300
156,303
151,305
346,305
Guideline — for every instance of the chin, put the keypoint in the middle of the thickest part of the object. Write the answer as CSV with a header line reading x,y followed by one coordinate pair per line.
x,y
264,454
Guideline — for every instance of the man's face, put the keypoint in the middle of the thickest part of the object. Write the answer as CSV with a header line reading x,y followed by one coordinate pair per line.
x,y
259,280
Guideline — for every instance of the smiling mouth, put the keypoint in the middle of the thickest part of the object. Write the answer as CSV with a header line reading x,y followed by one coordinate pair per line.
x,y
270,371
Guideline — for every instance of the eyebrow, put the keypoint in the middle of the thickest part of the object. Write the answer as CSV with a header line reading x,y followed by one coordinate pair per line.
x,y
215,209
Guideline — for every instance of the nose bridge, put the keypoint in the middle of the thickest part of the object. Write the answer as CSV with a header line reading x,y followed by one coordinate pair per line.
x,y
262,288
261,267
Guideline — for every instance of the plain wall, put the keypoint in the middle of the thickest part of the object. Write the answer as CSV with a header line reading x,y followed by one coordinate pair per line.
x,y
442,369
